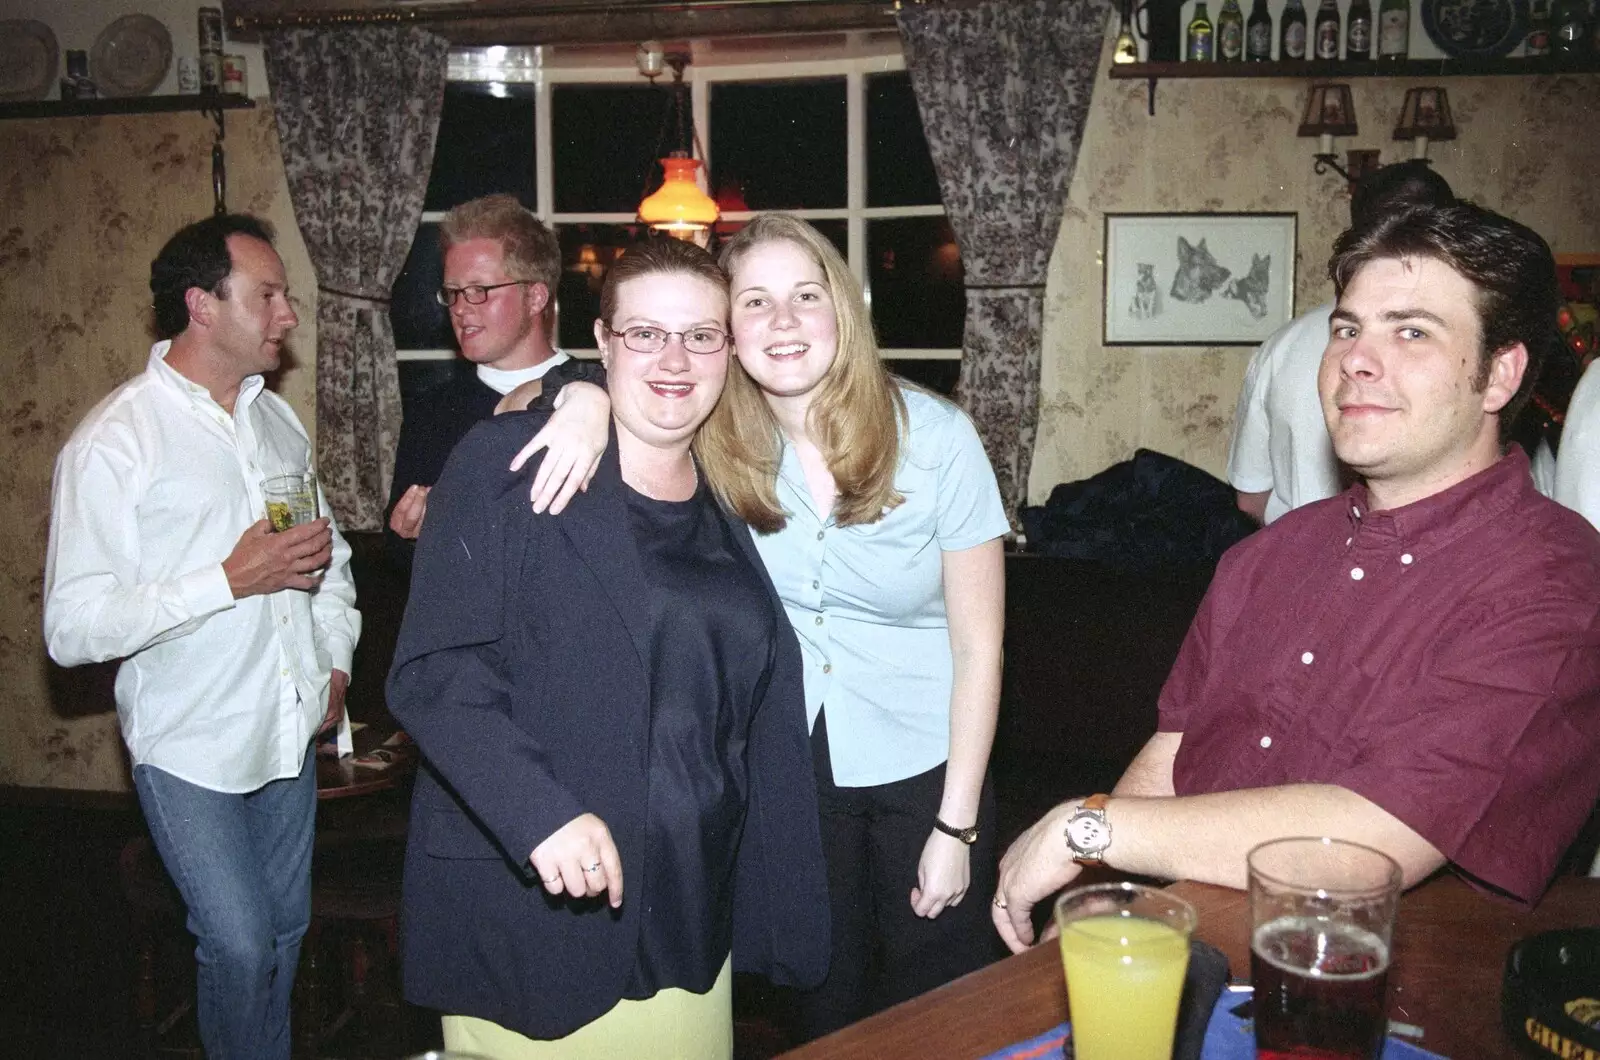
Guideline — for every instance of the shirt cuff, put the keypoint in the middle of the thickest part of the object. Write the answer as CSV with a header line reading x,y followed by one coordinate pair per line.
x,y
205,591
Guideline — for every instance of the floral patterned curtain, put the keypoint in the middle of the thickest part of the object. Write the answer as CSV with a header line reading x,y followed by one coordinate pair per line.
x,y
1003,87
357,111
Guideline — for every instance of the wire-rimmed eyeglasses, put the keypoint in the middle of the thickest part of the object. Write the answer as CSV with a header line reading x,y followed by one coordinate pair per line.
x,y
646,338
474,293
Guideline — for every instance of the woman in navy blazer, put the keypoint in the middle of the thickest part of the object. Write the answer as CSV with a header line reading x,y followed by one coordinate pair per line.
x,y
617,786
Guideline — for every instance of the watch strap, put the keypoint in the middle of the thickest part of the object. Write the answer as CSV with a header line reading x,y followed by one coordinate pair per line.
x,y
1094,805
968,836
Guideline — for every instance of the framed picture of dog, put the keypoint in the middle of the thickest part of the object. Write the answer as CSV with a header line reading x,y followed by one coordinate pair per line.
x,y
1198,279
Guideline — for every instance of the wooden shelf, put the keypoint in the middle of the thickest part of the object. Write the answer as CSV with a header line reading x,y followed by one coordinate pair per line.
x,y
75,108
1328,68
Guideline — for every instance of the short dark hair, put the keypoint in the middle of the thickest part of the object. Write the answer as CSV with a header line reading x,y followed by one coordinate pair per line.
x,y
658,254
1508,264
1394,187
197,256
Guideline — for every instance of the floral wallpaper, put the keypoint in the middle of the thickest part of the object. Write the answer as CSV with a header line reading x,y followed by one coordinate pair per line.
x,y
85,203
1524,146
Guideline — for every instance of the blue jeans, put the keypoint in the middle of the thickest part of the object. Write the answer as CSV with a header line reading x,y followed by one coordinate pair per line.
x,y
243,866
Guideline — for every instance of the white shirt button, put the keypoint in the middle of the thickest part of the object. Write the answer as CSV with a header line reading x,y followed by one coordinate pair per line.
x,y
1406,559
285,620
819,535
816,584
1357,574
827,668
1266,741
819,620
1307,658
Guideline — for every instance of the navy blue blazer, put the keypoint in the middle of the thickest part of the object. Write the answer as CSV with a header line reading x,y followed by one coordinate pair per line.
x,y
524,724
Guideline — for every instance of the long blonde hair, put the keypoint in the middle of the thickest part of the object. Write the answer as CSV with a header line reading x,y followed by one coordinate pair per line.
x,y
856,419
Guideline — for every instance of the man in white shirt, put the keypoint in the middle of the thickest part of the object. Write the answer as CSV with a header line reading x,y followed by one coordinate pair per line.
x,y
1577,465
1281,457
235,641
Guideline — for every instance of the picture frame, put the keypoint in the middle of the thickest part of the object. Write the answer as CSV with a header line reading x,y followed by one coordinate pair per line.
x,y
1197,279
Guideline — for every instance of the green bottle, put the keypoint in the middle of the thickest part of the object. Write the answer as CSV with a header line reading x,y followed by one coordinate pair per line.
x,y
1199,43
1230,32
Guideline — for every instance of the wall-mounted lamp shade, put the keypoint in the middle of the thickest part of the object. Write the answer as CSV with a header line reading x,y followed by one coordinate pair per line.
x,y
1329,112
679,206
1426,112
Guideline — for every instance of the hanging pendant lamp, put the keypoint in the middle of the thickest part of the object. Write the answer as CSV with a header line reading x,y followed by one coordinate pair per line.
x,y
680,208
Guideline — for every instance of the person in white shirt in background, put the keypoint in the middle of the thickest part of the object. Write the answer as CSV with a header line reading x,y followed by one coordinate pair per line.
x,y
1281,456
1576,481
235,641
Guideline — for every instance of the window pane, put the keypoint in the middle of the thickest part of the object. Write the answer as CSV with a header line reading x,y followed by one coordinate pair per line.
x,y
419,321
486,136
915,271
778,145
587,251
899,167
606,140
938,376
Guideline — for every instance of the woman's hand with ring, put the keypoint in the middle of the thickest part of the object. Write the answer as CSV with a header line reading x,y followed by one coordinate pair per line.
x,y
581,859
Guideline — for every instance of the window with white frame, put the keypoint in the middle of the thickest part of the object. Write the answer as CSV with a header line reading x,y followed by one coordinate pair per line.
x,y
836,141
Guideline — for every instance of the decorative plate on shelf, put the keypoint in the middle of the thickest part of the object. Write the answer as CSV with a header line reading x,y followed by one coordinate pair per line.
x,y
28,56
1475,29
131,56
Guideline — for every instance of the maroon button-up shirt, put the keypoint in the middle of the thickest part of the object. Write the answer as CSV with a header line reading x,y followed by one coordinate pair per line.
x,y
1441,659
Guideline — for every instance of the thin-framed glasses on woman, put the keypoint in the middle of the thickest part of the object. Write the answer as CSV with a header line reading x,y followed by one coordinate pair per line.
x,y
474,293
646,338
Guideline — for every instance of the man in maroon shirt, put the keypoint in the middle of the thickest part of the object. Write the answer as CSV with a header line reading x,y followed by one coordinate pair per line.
x,y
1413,664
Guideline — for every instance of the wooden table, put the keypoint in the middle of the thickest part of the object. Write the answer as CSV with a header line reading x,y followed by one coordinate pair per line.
x,y
1450,950
350,775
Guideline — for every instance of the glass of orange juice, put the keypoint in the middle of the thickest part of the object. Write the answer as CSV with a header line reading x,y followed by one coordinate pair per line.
x,y
1125,949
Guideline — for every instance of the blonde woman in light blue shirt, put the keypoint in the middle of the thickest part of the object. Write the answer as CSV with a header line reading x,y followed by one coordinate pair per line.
x,y
878,516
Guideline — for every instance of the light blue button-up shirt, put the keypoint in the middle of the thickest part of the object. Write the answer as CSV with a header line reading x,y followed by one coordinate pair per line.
x,y
868,601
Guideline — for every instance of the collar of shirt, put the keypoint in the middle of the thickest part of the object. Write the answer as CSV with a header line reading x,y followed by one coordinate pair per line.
x,y
249,388
1431,524
506,381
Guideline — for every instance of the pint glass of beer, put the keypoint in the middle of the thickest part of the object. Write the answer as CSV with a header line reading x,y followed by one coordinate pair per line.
x,y
1322,916
1125,949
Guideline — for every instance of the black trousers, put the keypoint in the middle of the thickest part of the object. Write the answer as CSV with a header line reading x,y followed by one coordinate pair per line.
x,y
883,953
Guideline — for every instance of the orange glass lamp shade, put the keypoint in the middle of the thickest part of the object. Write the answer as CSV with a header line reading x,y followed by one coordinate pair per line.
x,y
679,207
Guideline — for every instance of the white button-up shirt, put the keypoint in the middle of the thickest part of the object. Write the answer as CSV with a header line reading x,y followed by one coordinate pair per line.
x,y
151,493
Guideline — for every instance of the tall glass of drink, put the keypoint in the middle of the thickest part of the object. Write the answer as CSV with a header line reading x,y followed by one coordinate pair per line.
x,y
291,499
1125,949
1322,918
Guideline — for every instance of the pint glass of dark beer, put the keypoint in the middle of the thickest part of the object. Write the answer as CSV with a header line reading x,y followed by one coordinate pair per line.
x,y
1322,918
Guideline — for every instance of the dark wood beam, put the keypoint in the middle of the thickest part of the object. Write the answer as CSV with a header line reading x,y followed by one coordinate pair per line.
x,y
527,22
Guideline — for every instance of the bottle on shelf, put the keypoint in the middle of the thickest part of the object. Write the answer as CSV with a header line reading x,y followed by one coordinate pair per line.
x,y
1537,42
1230,32
1198,44
1571,25
1358,32
1292,31
1325,32
1258,33
1394,29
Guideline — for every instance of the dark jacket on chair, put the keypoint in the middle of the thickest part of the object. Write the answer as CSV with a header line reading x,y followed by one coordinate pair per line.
x,y
526,723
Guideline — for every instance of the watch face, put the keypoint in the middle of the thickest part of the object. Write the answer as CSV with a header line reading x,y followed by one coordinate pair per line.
x,y
1087,833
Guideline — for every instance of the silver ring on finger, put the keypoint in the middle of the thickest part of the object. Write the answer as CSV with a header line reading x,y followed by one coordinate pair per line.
x,y
552,879
999,902
593,868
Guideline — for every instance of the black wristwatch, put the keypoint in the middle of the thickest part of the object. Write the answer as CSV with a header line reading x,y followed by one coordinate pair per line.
x,y
968,836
